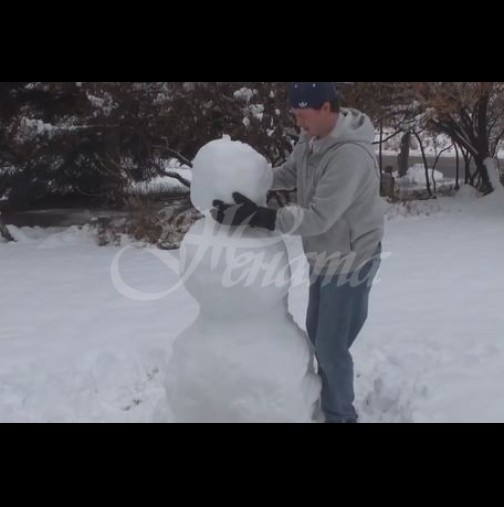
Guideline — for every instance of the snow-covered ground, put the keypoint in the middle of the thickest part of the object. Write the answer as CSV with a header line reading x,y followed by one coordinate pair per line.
x,y
415,181
72,348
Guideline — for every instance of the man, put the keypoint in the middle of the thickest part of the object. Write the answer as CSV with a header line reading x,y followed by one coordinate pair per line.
x,y
340,219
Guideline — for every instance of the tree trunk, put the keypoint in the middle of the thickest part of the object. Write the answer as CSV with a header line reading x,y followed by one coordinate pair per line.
x,y
457,168
381,147
467,167
4,232
485,185
484,145
426,164
403,157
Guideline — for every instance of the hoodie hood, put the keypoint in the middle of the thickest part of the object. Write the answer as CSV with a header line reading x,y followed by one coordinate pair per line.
x,y
352,127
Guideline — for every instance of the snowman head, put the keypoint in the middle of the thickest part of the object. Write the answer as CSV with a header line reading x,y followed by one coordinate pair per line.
x,y
223,167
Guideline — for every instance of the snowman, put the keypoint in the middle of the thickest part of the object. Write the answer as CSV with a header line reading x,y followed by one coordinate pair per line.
x,y
243,359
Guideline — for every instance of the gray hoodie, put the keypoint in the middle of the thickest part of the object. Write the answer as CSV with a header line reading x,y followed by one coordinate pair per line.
x,y
340,214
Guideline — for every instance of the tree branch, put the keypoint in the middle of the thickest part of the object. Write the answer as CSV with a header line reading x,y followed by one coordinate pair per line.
x,y
178,177
389,137
175,153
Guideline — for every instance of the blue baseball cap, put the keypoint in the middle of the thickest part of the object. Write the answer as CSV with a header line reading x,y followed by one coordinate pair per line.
x,y
311,95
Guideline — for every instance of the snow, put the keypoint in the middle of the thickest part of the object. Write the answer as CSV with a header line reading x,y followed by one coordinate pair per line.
x,y
251,174
415,181
31,128
104,104
225,365
245,94
434,352
416,176
73,348
161,184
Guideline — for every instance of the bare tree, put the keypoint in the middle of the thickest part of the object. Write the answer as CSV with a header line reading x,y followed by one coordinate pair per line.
x,y
471,114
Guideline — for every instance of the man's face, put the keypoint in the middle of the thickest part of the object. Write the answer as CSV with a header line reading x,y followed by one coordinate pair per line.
x,y
315,122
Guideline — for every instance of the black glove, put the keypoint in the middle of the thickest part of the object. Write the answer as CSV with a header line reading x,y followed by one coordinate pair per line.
x,y
244,212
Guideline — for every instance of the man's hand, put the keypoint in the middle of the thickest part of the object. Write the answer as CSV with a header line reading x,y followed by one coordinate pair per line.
x,y
244,212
